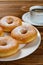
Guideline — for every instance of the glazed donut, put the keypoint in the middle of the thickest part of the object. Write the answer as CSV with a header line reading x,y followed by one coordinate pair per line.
x,y
24,33
8,46
10,22
1,32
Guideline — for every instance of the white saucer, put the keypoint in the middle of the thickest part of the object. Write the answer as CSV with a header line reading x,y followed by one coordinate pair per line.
x,y
25,51
26,18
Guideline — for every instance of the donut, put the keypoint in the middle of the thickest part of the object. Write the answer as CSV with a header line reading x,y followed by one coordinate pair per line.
x,y
1,31
24,33
8,46
10,22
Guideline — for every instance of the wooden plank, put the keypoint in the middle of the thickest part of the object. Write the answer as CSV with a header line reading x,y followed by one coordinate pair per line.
x,y
22,0
16,8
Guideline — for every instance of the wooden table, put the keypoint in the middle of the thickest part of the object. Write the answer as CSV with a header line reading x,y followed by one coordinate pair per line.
x,y
18,8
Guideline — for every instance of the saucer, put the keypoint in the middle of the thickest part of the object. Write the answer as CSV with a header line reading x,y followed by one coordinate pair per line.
x,y
26,18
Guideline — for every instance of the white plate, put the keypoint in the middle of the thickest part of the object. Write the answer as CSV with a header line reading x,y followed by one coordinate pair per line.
x,y
26,18
25,51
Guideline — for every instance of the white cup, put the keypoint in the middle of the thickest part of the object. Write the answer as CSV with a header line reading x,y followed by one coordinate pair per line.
x,y
36,14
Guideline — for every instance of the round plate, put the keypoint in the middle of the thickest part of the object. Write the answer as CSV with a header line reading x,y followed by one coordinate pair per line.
x,y
25,51
26,18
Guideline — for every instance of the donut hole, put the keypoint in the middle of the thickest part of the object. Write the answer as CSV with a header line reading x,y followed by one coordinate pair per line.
x,y
3,44
24,31
9,20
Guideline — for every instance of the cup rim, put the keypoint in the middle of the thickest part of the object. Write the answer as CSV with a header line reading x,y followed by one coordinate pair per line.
x,y
35,7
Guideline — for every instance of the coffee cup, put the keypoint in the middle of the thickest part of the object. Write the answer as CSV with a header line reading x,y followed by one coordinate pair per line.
x,y
36,14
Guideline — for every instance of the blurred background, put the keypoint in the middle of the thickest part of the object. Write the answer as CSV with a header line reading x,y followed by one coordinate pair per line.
x,y
17,7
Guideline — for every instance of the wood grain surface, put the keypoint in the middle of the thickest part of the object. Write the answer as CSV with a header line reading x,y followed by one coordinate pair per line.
x,y
18,8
